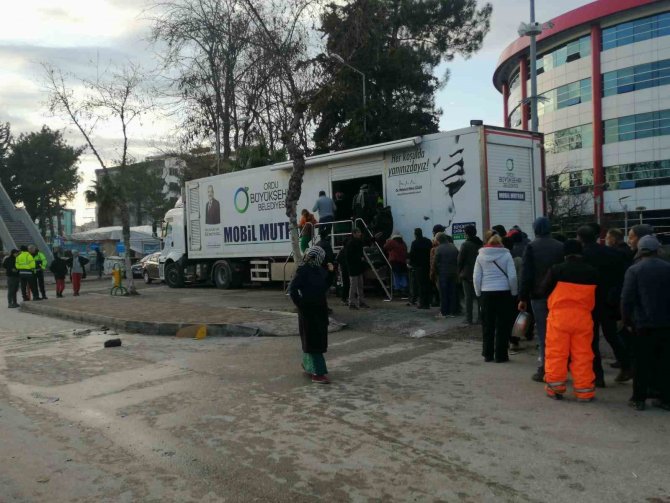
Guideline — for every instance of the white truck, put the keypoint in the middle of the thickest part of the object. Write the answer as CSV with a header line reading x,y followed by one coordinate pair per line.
x,y
232,228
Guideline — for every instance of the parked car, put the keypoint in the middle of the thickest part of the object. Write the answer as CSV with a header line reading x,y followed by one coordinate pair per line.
x,y
138,267
150,268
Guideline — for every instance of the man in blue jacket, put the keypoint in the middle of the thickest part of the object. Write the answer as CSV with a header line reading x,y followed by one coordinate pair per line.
x,y
645,306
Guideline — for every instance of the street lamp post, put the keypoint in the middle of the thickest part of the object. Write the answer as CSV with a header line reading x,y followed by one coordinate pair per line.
x,y
532,30
341,60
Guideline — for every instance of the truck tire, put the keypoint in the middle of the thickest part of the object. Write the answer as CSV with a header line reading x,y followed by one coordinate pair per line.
x,y
174,276
223,275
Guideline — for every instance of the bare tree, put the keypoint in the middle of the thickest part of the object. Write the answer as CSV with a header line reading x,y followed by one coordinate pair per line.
x,y
113,97
568,199
284,35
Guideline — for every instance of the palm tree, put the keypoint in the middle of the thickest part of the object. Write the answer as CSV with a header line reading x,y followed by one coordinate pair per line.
x,y
103,193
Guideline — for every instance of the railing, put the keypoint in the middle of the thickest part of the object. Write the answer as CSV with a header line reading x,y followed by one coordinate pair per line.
x,y
358,223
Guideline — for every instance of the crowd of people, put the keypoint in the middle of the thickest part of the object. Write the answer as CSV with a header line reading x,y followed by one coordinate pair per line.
x,y
574,289
25,270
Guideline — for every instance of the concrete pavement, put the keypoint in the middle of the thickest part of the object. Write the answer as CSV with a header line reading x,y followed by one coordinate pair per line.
x,y
266,310
233,419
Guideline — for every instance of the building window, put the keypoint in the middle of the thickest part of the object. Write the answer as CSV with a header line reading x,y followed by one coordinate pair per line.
x,y
571,182
636,31
174,171
640,174
515,80
565,96
636,127
572,51
637,77
569,139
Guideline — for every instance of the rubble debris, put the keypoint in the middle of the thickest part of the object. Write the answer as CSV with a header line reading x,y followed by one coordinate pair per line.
x,y
113,343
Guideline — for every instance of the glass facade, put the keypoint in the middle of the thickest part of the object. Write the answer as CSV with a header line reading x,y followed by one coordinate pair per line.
x,y
635,127
564,96
576,182
569,139
640,174
637,77
636,31
572,51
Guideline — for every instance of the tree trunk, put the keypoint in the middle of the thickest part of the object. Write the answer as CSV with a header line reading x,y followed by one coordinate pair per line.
x,y
125,229
297,155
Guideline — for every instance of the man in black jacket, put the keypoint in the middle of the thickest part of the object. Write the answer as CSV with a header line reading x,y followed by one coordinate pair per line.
x,y
467,257
12,278
538,258
356,267
419,260
611,266
645,305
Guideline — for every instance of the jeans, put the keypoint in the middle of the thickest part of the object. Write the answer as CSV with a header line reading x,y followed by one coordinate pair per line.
x,y
652,363
496,324
325,229
448,297
400,282
540,312
470,299
356,295
12,289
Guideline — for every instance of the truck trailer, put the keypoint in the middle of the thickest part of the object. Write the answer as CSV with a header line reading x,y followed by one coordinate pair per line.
x,y
232,228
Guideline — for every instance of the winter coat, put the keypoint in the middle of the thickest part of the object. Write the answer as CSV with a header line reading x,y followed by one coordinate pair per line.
x,y
354,257
446,260
645,301
467,257
419,253
396,250
494,271
611,266
539,256
10,266
572,271
59,267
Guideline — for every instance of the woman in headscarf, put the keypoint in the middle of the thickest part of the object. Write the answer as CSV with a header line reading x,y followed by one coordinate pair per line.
x,y
308,292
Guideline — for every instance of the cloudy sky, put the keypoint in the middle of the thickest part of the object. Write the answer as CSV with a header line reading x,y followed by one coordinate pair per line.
x,y
82,35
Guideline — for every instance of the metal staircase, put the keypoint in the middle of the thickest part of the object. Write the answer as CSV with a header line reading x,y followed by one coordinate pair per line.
x,y
374,255
17,228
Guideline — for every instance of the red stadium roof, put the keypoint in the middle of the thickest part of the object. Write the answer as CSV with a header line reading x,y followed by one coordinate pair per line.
x,y
575,18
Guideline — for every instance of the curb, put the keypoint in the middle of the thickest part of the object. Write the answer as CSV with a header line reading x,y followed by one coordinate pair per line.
x,y
143,327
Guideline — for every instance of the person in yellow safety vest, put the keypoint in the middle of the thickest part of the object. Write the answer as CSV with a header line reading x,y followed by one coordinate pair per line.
x,y
25,264
570,288
40,267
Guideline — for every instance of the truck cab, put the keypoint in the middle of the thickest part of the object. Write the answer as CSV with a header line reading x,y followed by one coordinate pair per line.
x,y
174,247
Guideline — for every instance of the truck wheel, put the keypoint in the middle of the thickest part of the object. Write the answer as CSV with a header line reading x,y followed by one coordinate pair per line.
x,y
223,275
173,276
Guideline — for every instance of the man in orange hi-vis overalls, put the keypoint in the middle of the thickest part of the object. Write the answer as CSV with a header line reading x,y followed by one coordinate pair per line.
x,y
571,291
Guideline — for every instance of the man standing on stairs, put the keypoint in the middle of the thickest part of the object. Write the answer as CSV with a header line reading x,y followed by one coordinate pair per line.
x,y
25,264
40,267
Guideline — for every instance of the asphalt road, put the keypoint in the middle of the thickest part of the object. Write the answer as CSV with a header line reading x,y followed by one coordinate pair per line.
x,y
165,419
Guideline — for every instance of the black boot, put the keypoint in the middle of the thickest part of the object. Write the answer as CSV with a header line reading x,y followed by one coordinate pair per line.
x,y
539,375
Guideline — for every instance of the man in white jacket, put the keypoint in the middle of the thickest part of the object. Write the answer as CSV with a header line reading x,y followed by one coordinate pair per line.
x,y
496,285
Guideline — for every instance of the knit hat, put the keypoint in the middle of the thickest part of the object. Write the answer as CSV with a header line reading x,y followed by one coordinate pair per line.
x,y
572,247
438,228
542,226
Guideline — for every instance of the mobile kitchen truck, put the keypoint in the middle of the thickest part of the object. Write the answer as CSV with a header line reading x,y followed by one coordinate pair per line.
x,y
232,228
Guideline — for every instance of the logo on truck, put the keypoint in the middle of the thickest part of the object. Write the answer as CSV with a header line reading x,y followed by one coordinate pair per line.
x,y
241,199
